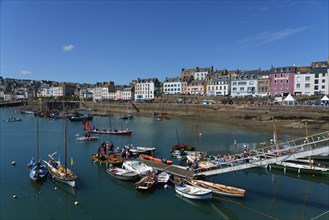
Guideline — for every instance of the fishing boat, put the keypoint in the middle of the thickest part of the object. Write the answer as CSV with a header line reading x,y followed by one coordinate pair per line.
x,y
193,192
137,167
146,182
159,160
39,171
218,189
122,174
58,171
163,177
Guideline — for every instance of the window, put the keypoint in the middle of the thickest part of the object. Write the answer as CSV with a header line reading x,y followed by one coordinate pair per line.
x,y
234,83
307,85
298,86
316,81
316,87
323,81
298,78
307,78
251,83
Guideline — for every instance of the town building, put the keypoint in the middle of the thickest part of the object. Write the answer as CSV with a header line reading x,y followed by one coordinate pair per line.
x,y
172,86
282,80
146,89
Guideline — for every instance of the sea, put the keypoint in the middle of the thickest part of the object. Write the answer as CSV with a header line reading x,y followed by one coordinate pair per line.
x,y
270,194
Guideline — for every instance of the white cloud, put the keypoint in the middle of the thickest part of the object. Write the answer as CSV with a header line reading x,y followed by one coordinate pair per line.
x,y
268,37
25,72
68,47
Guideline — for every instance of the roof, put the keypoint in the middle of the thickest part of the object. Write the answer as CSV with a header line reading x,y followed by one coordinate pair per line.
x,y
289,98
325,98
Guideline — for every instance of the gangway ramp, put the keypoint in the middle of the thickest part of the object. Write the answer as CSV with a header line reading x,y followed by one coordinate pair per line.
x,y
299,148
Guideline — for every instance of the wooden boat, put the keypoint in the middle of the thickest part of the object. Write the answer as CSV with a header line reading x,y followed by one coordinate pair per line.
x,y
137,167
86,126
146,182
183,147
58,171
201,163
122,174
114,159
163,177
39,171
193,192
218,189
159,160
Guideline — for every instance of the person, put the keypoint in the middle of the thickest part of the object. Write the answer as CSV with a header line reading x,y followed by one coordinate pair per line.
x,y
111,146
99,150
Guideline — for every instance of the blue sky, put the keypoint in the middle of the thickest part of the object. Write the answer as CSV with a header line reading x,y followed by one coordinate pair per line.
x,y
98,41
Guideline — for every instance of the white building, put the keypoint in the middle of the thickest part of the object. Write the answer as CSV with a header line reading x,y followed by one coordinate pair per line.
x,y
200,75
145,89
321,80
245,84
172,86
56,91
218,86
128,94
304,83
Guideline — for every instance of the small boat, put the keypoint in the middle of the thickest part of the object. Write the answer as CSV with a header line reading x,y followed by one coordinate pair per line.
x,y
112,132
159,160
193,192
219,189
87,138
137,167
146,182
80,117
12,119
140,150
183,147
163,177
122,174
201,163
127,116
38,172
114,159
298,167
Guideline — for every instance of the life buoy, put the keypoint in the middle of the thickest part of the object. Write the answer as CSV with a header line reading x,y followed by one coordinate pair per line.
x,y
61,169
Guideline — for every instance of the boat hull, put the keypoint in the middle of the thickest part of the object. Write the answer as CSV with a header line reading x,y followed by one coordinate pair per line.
x,y
299,168
122,174
193,192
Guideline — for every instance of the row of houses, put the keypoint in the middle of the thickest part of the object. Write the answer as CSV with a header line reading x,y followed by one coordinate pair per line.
x,y
278,81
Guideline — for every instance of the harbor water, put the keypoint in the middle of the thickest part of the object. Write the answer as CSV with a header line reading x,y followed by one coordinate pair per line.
x,y
269,194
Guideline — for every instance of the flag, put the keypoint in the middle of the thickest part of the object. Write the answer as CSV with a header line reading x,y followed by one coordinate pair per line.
x,y
72,161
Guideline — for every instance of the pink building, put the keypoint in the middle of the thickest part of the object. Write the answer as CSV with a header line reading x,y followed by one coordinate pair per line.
x,y
282,80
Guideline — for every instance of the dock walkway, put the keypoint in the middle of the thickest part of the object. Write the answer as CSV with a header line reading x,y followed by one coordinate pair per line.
x,y
299,148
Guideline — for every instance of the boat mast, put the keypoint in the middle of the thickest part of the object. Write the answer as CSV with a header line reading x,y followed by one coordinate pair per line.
x,y
65,159
309,147
177,136
37,141
275,136
196,127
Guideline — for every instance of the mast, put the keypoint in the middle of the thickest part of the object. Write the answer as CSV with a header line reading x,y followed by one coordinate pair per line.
x,y
276,140
309,147
65,150
196,128
110,121
177,136
37,142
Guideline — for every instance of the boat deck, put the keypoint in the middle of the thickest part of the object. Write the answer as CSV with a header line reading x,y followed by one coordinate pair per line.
x,y
171,169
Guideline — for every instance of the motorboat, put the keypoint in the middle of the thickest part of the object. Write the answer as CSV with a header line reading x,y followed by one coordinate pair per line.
x,y
122,174
137,167
193,192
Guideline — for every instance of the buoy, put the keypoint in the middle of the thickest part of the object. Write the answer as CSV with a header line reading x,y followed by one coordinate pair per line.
x,y
165,186
76,203
55,188
14,196
13,163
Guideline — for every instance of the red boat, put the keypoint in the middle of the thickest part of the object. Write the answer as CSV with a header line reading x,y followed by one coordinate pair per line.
x,y
86,126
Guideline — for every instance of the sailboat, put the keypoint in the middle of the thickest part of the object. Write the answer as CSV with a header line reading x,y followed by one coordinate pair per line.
x,y
86,126
39,171
58,171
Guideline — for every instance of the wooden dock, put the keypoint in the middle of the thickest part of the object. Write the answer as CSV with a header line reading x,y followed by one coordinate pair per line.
x,y
171,169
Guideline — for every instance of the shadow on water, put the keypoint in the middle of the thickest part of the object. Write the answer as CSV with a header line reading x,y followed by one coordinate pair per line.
x,y
72,191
